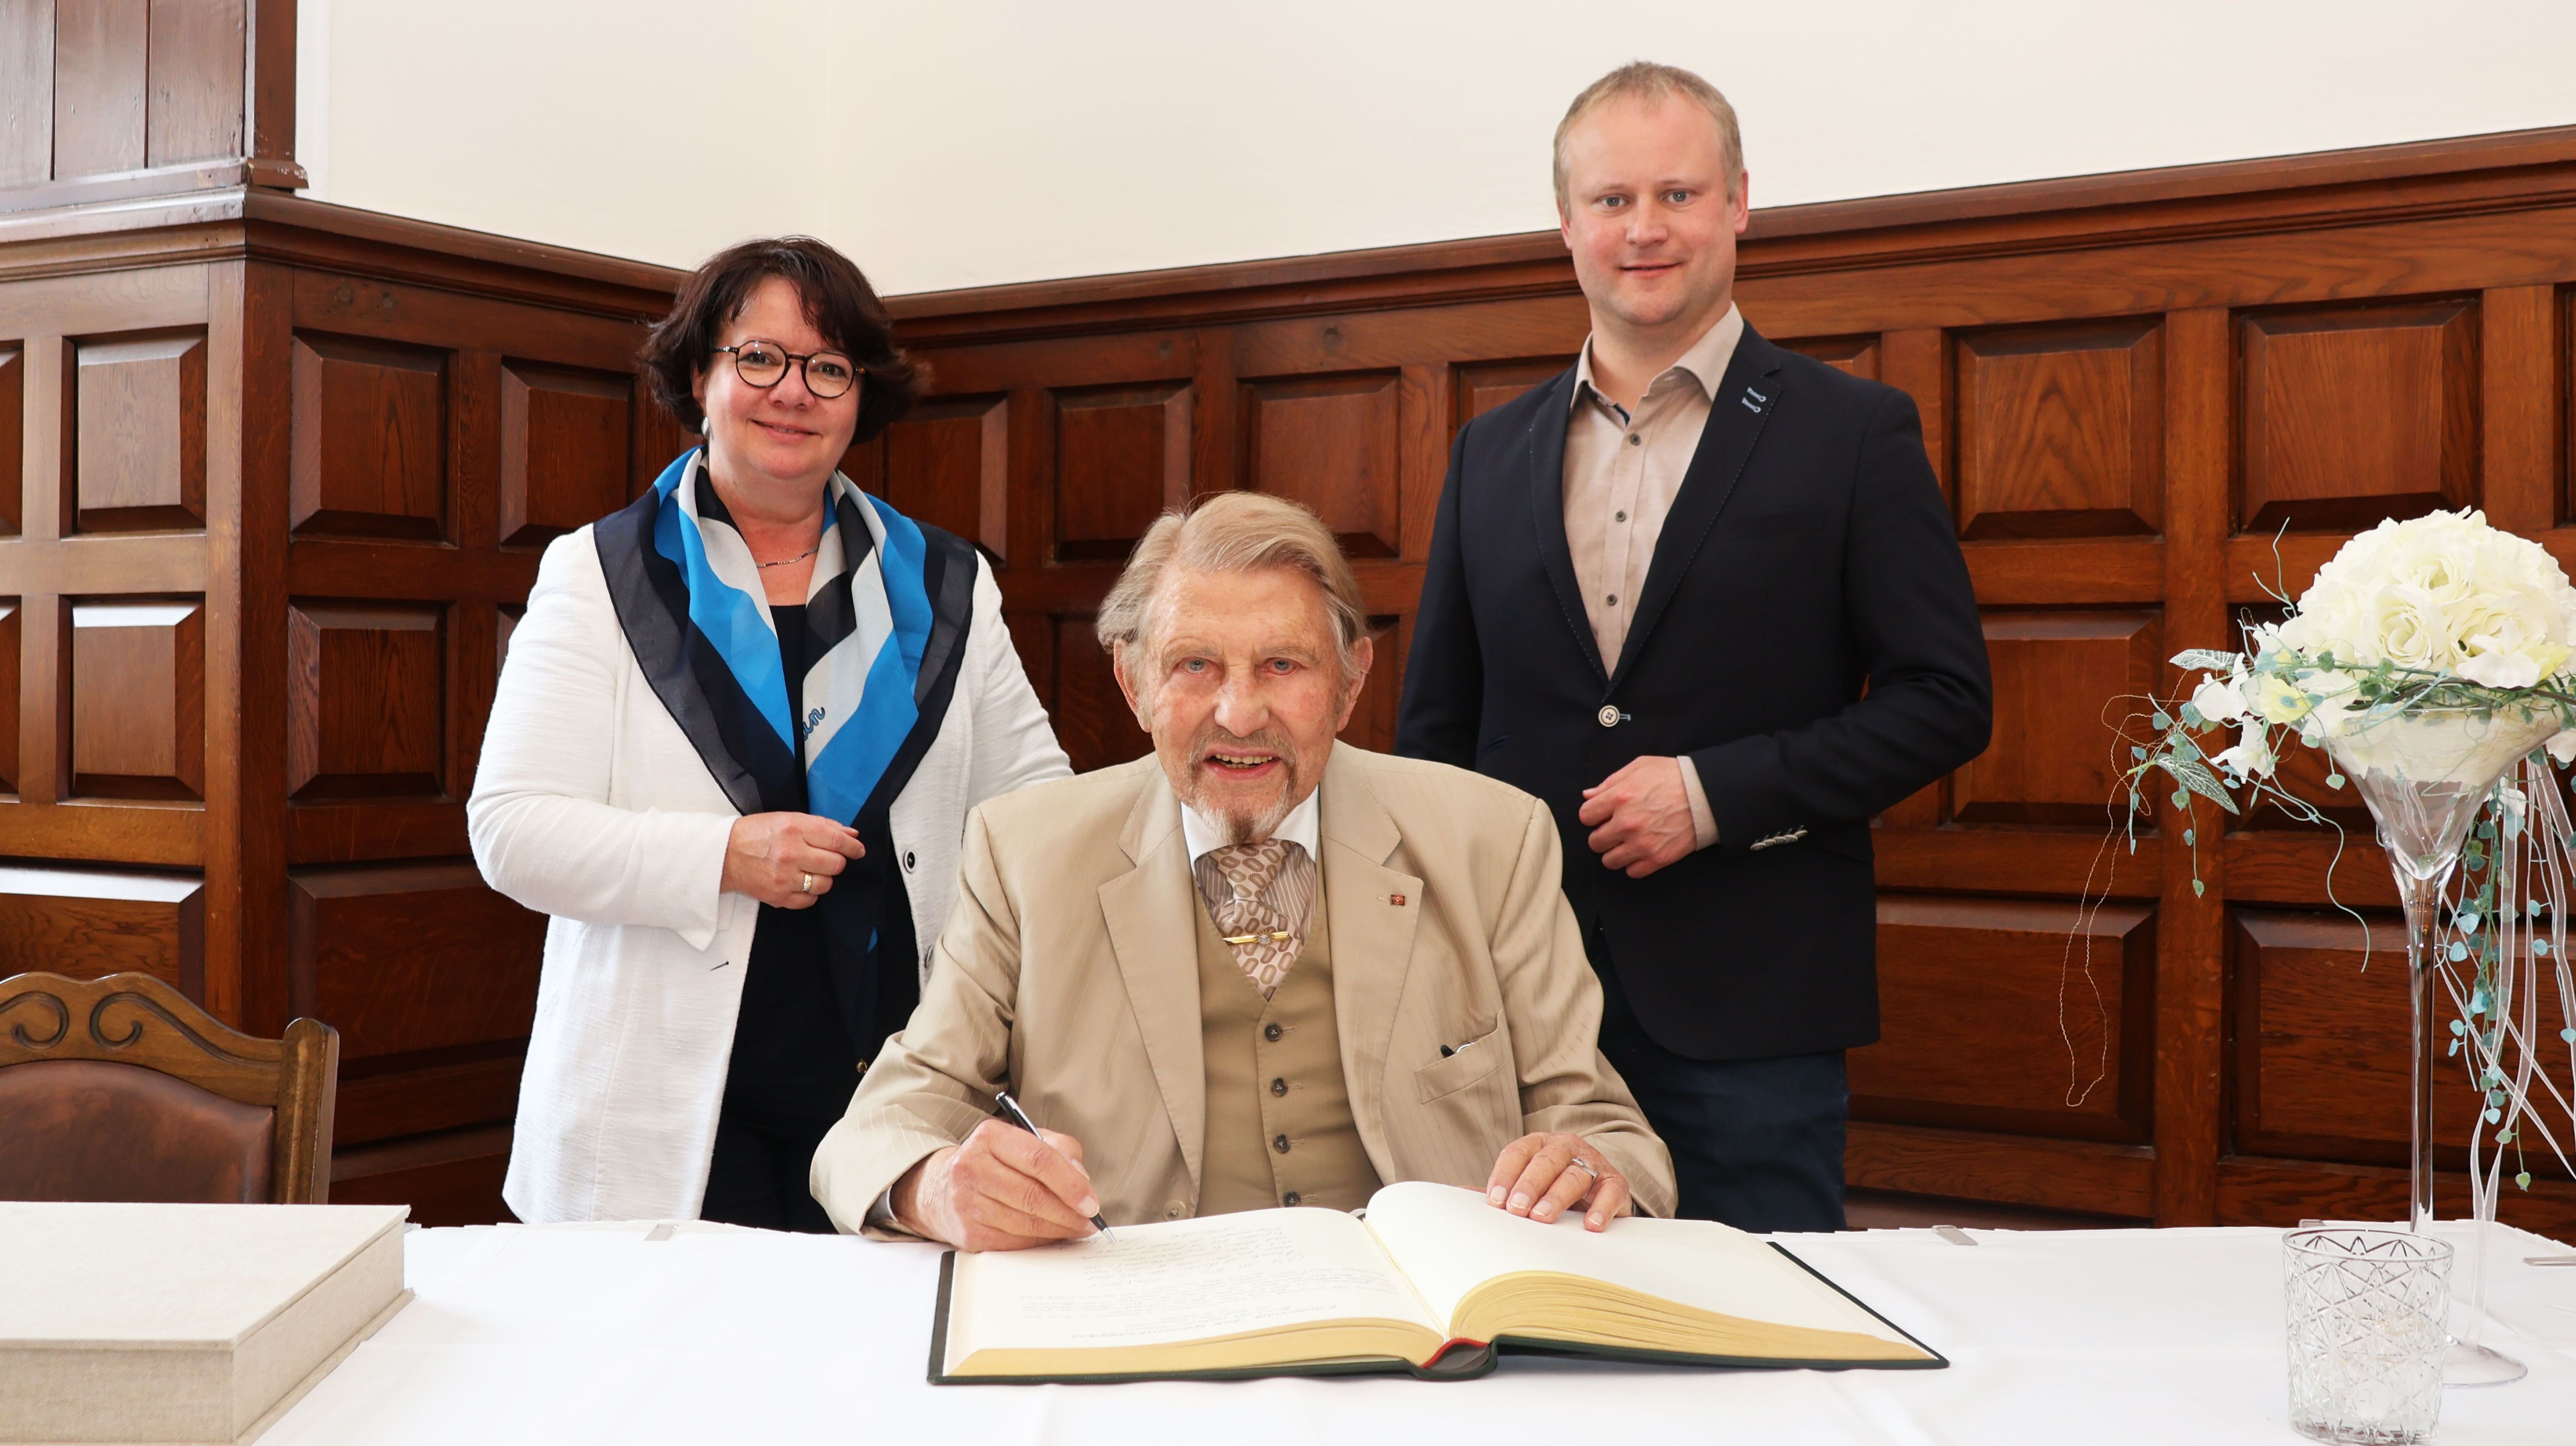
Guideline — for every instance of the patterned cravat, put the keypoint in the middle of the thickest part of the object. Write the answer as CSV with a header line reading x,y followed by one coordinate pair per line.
x,y
1261,896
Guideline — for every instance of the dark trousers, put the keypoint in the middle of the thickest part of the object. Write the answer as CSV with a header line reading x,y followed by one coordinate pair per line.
x,y
758,1176
1757,1143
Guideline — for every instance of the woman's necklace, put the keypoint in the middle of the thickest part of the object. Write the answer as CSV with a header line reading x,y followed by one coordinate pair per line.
x,y
800,557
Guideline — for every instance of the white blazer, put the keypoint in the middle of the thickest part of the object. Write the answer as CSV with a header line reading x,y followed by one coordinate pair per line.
x,y
591,806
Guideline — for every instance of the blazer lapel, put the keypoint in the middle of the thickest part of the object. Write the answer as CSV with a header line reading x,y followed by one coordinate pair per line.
x,y
1745,401
1153,929
1546,441
1372,941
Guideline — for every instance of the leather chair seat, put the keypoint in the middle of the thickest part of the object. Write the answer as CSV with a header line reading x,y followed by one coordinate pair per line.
x,y
78,1129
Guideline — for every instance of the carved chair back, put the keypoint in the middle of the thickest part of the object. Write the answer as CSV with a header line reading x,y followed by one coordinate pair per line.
x,y
122,1088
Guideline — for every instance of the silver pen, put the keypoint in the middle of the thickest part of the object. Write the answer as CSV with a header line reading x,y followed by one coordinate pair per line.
x,y
1020,1117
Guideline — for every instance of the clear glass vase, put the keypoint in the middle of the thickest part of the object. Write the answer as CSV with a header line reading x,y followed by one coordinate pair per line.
x,y
2365,1315
2425,773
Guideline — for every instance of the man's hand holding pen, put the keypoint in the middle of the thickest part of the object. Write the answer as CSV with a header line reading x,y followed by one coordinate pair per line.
x,y
1004,1189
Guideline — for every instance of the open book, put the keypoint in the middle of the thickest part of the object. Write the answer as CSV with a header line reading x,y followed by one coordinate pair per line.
x,y
1433,1281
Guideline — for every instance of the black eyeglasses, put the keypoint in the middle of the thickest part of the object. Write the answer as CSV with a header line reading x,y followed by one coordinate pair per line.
x,y
763,364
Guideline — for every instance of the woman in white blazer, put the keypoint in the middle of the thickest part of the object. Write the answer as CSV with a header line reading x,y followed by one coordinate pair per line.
x,y
732,753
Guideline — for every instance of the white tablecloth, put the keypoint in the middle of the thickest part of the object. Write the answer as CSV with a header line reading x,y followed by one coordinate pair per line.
x,y
599,1334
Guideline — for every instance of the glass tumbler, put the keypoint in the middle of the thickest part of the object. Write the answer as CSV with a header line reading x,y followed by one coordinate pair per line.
x,y
2368,1315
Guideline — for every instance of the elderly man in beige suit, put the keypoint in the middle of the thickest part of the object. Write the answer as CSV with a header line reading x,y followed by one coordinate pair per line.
x,y
1259,968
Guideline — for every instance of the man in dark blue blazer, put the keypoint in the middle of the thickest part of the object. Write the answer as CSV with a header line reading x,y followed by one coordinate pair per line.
x,y
1704,597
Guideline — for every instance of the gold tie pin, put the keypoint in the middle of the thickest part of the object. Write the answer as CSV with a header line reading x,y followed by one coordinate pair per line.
x,y
1276,936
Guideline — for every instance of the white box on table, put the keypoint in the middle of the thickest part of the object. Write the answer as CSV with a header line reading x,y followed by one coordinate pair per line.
x,y
169,1324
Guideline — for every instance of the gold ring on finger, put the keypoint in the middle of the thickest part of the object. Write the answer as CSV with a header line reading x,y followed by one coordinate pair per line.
x,y
804,883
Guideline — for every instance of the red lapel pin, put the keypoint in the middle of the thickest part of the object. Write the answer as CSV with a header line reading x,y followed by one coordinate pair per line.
x,y
1396,899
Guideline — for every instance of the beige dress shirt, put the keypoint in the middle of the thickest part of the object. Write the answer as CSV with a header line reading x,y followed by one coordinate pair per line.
x,y
1622,471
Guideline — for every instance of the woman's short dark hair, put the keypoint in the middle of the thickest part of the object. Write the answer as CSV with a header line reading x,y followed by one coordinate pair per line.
x,y
838,301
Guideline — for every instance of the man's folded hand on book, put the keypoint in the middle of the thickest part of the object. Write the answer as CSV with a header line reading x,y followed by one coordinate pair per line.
x,y
1543,1176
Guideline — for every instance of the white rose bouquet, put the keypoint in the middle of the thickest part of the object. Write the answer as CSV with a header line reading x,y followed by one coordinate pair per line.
x,y
2440,613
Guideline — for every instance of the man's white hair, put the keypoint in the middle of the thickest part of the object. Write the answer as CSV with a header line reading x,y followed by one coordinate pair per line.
x,y
1231,532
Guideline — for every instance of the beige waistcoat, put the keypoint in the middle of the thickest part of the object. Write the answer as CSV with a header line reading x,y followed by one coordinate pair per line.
x,y
1279,1124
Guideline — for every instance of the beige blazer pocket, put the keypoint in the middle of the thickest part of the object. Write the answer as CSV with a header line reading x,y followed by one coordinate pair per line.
x,y
1444,1077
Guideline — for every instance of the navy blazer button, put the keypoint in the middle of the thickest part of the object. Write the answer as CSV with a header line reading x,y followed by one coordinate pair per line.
x,y
1609,715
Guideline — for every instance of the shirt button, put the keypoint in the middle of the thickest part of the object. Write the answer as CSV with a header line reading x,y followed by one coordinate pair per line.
x,y
1618,516
1609,716
1278,1087
1291,1198
1635,440
1279,1143
1175,1210
1614,599
1271,1032
907,861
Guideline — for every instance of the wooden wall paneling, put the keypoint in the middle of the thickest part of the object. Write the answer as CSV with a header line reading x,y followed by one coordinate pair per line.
x,y
2191,920
2519,365
2278,1194
1216,429
367,700
100,68
2071,1175
452,1177
1428,407
27,73
370,439
1486,385
13,436
564,433
2061,679
90,922
407,958
386,1097
139,451
1855,355
249,485
1122,458
195,78
1333,443
138,700
1917,363
12,634
948,464
2358,412
1090,714
2012,1016
1372,722
2061,431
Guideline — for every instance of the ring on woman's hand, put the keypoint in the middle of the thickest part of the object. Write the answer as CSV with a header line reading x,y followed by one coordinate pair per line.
x,y
804,883
1579,1163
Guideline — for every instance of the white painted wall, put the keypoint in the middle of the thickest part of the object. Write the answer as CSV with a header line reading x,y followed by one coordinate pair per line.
x,y
966,144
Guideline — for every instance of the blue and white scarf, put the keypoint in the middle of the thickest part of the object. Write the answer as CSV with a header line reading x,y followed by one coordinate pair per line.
x,y
886,618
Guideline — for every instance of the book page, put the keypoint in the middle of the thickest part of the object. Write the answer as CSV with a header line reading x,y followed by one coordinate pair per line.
x,y
1449,1241
1175,1281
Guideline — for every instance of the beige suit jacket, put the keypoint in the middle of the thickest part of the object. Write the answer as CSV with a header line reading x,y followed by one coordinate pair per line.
x,y
1068,974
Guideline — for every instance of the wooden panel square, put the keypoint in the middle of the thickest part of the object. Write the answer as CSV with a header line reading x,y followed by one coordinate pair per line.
x,y
564,435
1857,355
2359,413
411,957
1372,724
369,448
138,699
13,437
2322,1042
366,703
194,68
1122,456
12,634
139,437
100,82
948,464
2056,676
91,922
2061,431
1330,443
1999,1015
1488,385
1091,717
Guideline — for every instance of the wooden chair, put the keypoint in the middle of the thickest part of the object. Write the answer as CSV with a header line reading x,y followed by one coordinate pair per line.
x,y
121,1088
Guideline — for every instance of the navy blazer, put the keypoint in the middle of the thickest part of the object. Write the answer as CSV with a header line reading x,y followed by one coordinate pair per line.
x,y
1806,634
